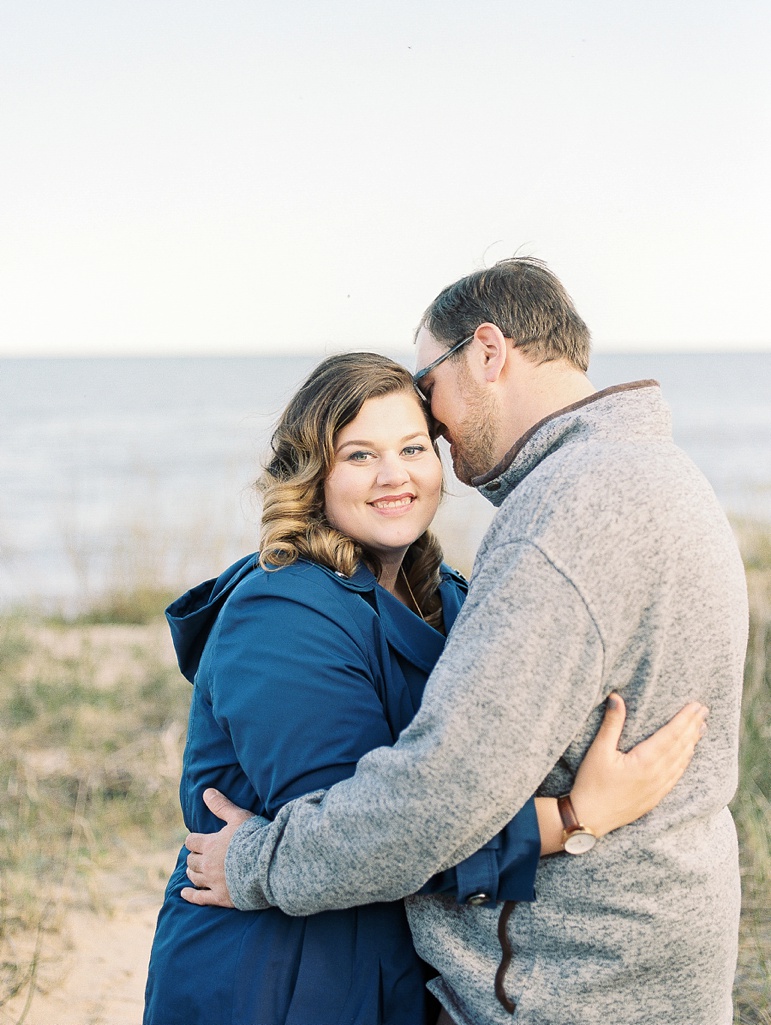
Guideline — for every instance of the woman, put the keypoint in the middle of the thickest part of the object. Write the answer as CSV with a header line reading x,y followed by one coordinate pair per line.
x,y
305,658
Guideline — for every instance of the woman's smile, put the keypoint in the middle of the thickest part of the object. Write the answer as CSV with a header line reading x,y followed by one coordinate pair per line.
x,y
386,482
393,504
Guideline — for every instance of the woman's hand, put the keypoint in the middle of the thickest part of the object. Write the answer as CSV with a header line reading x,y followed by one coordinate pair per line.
x,y
612,789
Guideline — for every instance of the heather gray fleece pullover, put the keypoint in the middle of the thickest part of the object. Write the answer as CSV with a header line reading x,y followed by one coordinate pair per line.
x,y
609,566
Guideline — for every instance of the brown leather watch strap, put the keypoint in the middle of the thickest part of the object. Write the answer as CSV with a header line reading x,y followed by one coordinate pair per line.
x,y
568,814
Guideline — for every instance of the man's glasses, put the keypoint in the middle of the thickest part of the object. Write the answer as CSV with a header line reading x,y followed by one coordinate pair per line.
x,y
416,378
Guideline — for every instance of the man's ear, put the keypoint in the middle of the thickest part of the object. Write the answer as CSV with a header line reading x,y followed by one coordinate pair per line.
x,y
494,350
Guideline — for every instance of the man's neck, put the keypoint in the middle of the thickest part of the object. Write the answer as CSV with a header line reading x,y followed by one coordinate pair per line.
x,y
537,392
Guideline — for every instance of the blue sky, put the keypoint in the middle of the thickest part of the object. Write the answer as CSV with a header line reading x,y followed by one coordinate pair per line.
x,y
252,177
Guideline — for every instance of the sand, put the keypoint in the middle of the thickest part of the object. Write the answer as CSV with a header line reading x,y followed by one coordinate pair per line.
x,y
93,960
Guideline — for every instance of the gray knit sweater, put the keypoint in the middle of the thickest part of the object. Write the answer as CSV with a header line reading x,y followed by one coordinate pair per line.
x,y
609,566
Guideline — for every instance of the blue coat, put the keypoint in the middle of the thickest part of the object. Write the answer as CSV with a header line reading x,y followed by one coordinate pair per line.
x,y
297,674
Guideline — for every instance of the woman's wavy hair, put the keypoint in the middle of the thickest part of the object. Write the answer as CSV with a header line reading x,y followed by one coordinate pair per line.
x,y
294,524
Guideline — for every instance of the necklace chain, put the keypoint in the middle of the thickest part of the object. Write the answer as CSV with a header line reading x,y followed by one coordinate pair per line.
x,y
414,599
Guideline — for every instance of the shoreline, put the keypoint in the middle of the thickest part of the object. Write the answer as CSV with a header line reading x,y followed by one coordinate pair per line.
x,y
134,586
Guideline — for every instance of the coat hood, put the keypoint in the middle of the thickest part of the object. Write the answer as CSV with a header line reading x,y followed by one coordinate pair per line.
x,y
192,616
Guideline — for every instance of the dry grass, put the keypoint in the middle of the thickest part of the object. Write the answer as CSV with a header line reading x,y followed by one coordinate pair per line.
x,y
92,719
752,805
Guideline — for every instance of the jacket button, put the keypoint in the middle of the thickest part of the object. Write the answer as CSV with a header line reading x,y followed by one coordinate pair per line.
x,y
494,485
477,898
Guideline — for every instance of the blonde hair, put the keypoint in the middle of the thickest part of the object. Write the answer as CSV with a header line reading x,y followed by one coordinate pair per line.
x,y
294,523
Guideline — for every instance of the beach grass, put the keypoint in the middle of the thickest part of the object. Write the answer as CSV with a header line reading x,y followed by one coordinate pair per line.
x,y
752,804
92,726
92,723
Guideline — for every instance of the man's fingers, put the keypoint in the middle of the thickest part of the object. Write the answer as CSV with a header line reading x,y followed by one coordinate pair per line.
x,y
213,898
193,896
206,860
195,841
223,808
198,879
231,814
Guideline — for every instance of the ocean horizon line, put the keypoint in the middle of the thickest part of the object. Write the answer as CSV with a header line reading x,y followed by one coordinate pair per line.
x,y
654,350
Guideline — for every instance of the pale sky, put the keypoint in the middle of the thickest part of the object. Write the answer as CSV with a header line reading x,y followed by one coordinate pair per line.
x,y
196,177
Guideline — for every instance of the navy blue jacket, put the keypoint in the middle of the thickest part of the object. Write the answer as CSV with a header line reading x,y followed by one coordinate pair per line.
x,y
298,673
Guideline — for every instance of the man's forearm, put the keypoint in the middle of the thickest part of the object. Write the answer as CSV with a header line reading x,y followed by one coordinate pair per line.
x,y
488,732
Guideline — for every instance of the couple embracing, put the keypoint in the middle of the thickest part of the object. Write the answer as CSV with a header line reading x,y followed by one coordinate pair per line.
x,y
476,803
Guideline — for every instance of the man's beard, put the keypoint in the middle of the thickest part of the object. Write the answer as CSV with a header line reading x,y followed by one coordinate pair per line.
x,y
474,440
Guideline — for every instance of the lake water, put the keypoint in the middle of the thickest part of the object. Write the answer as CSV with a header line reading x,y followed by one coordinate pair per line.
x,y
125,468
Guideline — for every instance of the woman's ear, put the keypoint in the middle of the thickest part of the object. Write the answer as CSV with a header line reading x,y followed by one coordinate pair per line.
x,y
493,350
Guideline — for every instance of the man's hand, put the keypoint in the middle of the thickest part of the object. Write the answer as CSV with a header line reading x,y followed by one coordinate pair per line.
x,y
206,861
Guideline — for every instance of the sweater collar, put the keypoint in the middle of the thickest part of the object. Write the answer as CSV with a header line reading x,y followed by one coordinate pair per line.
x,y
637,404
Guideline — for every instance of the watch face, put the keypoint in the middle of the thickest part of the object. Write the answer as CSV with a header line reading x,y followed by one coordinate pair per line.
x,y
580,843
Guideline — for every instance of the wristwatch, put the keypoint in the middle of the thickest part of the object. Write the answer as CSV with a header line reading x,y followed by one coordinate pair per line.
x,y
576,838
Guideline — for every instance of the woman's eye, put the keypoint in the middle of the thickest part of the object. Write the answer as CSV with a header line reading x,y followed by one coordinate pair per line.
x,y
412,450
358,457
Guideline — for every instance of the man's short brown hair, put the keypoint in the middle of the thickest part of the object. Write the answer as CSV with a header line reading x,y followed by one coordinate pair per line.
x,y
522,297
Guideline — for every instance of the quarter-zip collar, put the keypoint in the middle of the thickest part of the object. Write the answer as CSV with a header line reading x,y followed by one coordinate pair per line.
x,y
639,403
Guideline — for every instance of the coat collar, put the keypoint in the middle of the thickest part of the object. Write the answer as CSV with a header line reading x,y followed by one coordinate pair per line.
x,y
192,616
405,632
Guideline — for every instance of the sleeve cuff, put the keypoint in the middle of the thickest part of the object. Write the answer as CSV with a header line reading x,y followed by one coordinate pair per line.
x,y
241,866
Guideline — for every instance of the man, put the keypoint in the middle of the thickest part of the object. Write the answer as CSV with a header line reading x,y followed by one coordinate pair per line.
x,y
608,567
